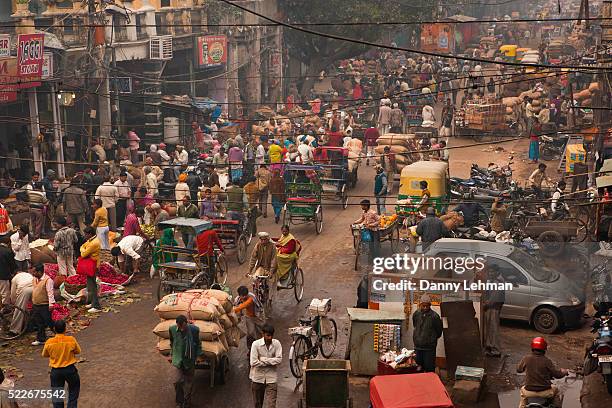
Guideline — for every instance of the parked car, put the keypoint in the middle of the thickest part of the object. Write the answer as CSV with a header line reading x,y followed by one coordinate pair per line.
x,y
541,296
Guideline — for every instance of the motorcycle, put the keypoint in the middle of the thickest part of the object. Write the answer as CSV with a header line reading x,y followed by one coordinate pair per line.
x,y
550,149
599,355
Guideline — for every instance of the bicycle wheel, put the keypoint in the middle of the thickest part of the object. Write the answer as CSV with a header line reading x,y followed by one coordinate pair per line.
x,y
7,314
327,343
298,284
358,251
241,248
582,232
221,269
297,354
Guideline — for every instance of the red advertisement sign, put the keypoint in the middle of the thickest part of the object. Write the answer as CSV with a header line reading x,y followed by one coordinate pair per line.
x,y
30,57
8,80
211,50
438,37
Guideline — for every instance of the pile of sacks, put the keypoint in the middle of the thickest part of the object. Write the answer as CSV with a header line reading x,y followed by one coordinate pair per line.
x,y
210,310
584,97
403,146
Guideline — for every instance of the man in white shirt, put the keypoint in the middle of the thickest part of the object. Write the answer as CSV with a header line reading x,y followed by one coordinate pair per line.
x,y
265,357
150,181
260,154
429,117
559,207
20,245
128,246
21,294
109,194
125,191
181,157
306,152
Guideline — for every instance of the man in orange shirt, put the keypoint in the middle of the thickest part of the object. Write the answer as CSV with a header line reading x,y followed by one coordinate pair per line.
x,y
61,350
249,304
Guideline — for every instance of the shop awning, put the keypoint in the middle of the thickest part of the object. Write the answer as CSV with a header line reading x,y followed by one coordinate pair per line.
x,y
204,104
409,391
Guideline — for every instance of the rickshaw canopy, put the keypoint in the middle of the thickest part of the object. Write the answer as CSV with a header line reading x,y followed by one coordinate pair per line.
x,y
435,173
607,166
423,390
509,50
198,225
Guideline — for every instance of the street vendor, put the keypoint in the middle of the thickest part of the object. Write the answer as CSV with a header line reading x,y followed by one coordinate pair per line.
x,y
263,256
130,246
371,221
287,253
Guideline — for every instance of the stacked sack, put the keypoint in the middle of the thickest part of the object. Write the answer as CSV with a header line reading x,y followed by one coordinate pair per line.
x,y
584,96
210,310
401,145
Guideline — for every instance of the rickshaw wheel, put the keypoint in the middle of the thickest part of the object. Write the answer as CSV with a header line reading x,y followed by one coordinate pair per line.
x,y
344,200
319,220
242,248
267,308
298,284
284,217
395,240
222,370
221,269
163,290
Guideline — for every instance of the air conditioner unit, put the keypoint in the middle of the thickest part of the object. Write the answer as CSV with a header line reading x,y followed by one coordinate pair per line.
x,y
160,47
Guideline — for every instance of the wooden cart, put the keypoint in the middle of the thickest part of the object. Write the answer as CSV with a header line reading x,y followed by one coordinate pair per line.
x,y
552,235
326,384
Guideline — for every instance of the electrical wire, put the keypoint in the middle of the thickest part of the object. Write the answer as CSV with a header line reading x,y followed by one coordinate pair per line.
x,y
390,47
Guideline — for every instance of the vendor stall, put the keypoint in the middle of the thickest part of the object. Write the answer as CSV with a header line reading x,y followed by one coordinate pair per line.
x,y
409,391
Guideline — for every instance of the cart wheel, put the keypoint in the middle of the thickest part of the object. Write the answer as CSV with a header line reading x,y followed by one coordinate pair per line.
x,y
7,313
222,370
395,240
298,284
242,248
328,343
582,232
551,242
221,269
163,289
319,220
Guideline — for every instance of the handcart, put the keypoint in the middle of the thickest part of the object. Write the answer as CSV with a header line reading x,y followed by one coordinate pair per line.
x,y
326,384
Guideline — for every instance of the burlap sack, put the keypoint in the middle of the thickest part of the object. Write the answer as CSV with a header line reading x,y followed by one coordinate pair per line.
x,y
223,341
233,336
225,321
213,349
224,298
200,292
163,345
394,149
188,305
209,331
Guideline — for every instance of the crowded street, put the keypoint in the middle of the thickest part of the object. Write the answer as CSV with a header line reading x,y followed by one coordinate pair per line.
x,y
212,203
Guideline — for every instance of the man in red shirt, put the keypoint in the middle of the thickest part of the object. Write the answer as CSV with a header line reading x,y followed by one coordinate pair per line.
x,y
206,242
371,135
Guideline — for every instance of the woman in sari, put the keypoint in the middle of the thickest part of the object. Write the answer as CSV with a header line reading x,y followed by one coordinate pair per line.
x,y
287,253
159,257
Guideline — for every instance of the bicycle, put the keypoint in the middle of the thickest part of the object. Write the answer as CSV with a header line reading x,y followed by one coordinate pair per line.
x,y
7,314
261,288
302,347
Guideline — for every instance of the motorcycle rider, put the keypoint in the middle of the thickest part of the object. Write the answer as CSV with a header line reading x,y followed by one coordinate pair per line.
x,y
539,370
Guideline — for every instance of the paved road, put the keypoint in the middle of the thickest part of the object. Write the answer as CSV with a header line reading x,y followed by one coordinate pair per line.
x,y
122,368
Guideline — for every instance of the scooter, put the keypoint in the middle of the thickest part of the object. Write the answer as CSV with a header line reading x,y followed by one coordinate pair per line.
x,y
599,356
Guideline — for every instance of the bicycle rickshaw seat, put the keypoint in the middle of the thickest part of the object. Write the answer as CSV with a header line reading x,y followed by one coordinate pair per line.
x,y
302,199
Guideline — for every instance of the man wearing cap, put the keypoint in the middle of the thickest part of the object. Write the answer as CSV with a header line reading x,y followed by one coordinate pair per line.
x,y
263,256
427,330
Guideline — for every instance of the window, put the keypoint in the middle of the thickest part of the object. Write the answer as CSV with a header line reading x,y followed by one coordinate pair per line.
x,y
141,31
508,271
165,3
68,26
66,4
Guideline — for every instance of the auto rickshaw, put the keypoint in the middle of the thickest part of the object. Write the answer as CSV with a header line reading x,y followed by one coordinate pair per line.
x,y
520,52
508,52
436,174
